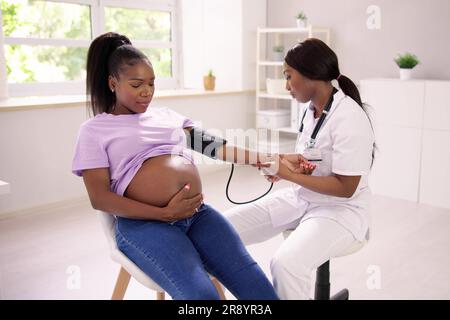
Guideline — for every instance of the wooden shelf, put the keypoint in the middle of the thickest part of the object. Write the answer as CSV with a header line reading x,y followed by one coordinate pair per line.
x,y
287,130
264,94
282,130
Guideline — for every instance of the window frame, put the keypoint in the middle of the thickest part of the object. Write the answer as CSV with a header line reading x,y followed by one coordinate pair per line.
x,y
98,28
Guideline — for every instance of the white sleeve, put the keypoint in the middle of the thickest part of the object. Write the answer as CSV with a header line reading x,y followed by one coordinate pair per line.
x,y
353,141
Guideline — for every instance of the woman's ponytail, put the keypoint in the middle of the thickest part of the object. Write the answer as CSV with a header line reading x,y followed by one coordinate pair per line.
x,y
97,71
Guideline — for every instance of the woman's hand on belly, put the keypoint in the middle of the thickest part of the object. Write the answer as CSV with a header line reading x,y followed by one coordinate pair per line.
x,y
181,206
160,178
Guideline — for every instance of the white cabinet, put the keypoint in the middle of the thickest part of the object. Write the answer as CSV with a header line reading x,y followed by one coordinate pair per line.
x,y
396,103
395,172
437,105
412,130
435,173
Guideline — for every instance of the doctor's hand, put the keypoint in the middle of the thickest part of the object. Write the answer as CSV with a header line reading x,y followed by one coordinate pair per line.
x,y
286,164
298,164
272,179
182,207
275,170
265,160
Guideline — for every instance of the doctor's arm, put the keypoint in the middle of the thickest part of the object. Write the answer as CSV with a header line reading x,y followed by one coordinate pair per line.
x,y
335,185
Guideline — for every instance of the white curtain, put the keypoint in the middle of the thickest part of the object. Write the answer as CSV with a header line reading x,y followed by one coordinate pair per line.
x,y
3,78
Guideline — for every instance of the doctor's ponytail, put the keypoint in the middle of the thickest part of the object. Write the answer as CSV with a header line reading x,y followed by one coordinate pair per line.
x,y
350,89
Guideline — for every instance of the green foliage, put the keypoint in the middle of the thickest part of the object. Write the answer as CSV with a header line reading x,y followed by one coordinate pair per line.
x,y
301,15
9,11
210,73
278,48
139,24
40,19
53,20
407,61
161,60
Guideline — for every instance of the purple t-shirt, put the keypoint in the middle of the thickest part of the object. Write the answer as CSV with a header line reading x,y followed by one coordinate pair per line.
x,y
123,142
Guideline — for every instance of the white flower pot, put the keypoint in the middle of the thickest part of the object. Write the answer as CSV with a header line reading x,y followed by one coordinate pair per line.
x,y
405,74
301,23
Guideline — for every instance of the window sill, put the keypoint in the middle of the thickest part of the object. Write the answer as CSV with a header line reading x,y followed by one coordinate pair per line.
x,y
46,102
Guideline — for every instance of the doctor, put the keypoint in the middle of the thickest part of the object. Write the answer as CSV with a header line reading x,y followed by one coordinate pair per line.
x,y
328,209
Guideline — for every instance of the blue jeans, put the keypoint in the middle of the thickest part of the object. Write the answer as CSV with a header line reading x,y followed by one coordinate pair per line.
x,y
178,256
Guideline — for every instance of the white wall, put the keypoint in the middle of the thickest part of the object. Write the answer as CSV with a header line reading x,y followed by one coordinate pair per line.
x,y
254,15
221,35
3,81
37,145
419,26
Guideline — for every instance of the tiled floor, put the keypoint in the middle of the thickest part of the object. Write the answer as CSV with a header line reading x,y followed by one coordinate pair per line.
x,y
46,255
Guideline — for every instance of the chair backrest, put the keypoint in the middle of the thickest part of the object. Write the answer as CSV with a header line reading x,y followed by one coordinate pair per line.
x,y
108,222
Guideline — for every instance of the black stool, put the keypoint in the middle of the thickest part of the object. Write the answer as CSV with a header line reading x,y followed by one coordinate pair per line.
x,y
322,287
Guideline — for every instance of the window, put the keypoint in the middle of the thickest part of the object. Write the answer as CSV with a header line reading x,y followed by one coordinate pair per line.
x,y
46,41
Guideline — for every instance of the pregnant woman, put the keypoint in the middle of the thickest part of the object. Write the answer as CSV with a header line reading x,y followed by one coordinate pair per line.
x,y
135,165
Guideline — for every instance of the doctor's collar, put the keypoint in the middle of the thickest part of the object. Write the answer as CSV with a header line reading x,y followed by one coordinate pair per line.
x,y
338,91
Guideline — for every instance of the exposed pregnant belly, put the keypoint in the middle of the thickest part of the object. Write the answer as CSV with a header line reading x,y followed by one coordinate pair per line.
x,y
160,178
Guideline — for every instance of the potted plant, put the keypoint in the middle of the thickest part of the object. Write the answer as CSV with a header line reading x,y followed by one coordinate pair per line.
x,y
209,81
278,53
406,63
301,20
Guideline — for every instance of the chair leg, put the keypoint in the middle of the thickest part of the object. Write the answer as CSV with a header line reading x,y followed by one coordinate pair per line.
x,y
160,295
218,288
322,288
341,295
121,285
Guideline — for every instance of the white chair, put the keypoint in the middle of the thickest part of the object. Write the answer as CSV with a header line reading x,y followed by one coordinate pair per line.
x,y
322,285
128,268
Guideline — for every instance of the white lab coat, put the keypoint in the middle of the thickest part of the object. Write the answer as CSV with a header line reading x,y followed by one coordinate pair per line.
x,y
345,140
325,226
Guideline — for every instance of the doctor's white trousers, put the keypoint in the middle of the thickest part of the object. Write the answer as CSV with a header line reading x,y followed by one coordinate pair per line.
x,y
313,242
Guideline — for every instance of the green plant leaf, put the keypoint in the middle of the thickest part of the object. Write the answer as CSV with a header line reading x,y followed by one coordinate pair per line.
x,y
278,48
407,61
301,15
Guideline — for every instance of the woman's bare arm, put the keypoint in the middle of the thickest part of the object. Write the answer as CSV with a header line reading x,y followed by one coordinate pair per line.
x,y
230,153
238,155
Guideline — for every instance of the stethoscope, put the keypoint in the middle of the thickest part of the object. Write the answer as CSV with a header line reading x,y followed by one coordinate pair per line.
x,y
310,144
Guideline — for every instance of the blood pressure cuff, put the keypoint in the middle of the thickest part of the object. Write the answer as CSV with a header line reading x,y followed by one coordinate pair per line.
x,y
204,143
